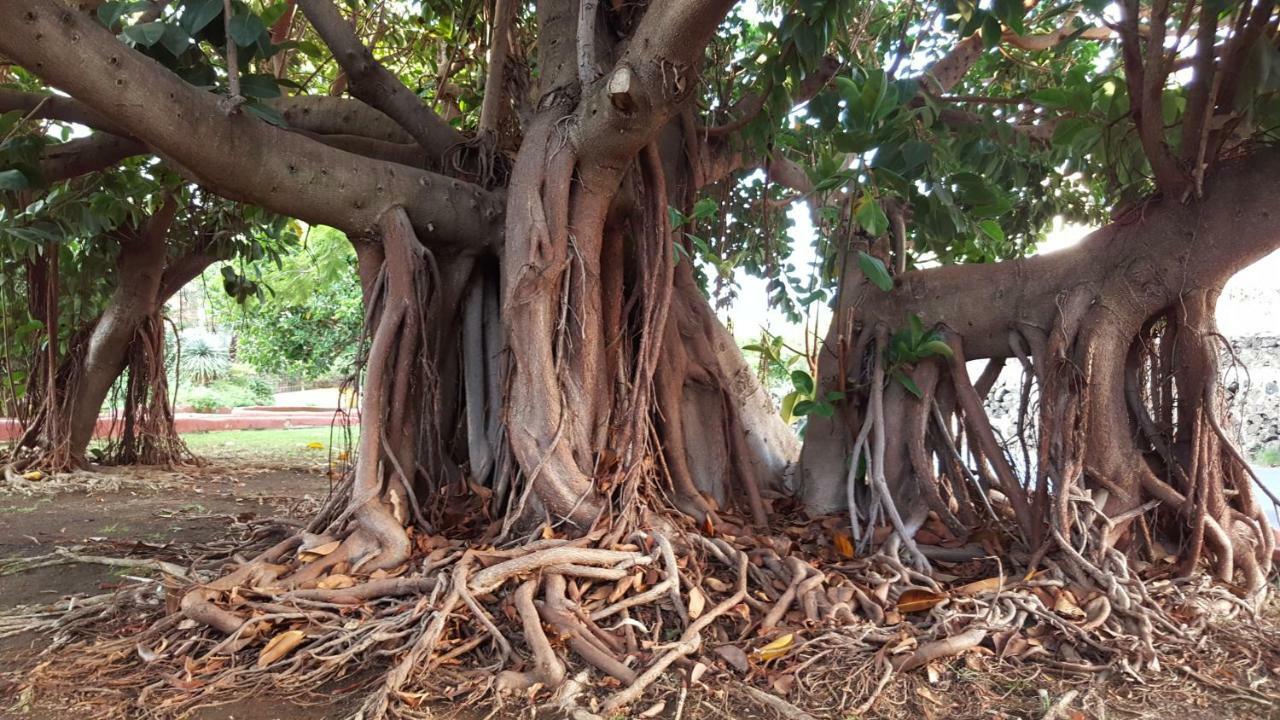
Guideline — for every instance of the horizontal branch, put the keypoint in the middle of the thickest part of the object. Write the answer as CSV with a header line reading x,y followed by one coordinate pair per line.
x,y
374,84
45,106
85,155
750,106
320,114
237,156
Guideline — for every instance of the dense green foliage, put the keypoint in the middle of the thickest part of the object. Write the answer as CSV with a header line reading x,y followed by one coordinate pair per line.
x,y
305,323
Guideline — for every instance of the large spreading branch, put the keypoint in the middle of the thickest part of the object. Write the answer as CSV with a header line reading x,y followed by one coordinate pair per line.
x,y
341,123
81,156
658,71
238,156
374,84
318,114
1145,77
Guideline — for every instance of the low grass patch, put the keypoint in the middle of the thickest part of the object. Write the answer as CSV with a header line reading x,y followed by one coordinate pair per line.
x,y
1268,456
298,446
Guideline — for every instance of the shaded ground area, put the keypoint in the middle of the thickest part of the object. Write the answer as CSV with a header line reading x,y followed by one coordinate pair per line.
x,y
285,473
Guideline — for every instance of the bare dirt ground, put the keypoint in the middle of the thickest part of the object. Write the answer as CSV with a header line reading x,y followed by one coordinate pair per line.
x,y
195,505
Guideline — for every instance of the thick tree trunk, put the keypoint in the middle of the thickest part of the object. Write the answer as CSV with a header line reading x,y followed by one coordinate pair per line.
x,y
140,270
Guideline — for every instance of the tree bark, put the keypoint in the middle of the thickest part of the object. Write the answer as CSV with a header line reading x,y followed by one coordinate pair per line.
x,y
140,268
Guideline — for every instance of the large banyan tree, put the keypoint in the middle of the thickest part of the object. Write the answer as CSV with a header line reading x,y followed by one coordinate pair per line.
x,y
564,460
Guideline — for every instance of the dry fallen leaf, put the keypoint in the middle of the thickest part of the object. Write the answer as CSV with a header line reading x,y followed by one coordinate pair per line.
x,y
1064,603
315,446
844,545
917,600
319,551
336,582
697,601
734,656
716,584
783,684
696,674
978,587
777,648
33,475
147,654
280,646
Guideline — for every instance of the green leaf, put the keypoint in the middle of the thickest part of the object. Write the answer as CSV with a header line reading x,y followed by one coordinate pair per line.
x,y
110,13
875,271
917,328
311,50
991,32
804,407
13,180
802,381
825,409
906,382
915,154
146,34
788,410
935,347
1051,97
175,39
259,86
705,209
992,229
196,14
246,28
266,112
871,217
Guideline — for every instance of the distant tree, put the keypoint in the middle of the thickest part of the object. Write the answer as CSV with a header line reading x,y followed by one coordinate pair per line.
x,y
306,323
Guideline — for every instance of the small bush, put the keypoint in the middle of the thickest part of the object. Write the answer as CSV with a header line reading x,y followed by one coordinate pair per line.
x,y
262,392
203,400
227,394
1268,456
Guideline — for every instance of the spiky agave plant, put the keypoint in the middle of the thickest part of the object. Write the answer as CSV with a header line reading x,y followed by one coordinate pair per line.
x,y
203,357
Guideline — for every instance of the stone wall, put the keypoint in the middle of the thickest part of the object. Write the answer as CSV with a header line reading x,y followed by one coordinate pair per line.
x,y
1254,394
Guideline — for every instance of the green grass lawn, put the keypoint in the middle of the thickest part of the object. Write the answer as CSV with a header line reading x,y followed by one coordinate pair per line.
x,y
274,446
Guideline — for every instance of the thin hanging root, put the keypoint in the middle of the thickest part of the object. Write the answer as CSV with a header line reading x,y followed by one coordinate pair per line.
x,y
876,467
917,426
979,427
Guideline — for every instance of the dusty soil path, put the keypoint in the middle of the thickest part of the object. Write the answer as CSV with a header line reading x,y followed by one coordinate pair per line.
x,y
187,506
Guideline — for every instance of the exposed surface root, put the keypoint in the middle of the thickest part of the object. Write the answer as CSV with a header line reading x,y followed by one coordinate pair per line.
x,y
789,613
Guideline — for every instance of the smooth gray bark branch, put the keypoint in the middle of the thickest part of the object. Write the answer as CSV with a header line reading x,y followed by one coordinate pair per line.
x,y
239,157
